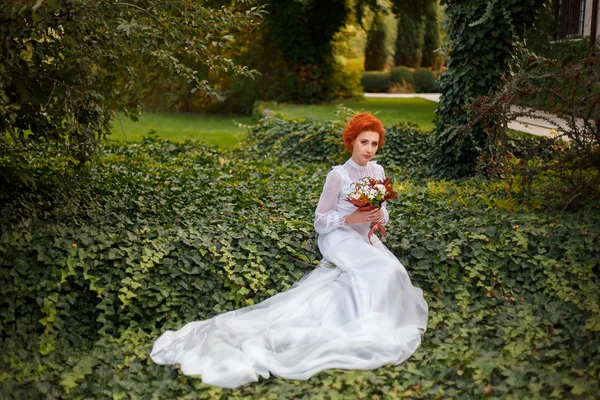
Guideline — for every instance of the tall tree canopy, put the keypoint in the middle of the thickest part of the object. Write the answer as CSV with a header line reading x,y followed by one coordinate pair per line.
x,y
431,37
375,52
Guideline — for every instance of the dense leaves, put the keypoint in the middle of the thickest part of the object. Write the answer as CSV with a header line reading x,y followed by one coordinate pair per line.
x,y
483,37
66,66
163,234
571,93
375,50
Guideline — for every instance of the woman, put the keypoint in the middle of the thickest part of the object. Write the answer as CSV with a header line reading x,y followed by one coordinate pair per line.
x,y
356,310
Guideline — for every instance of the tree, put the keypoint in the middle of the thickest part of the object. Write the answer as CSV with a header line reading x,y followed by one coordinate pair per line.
x,y
431,38
294,50
409,40
483,39
67,66
375,52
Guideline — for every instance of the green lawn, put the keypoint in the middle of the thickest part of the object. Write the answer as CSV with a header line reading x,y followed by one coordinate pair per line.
x,y
224,131
213,130
390,110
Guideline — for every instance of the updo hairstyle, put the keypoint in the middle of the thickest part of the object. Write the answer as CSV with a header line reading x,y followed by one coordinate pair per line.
x,y
361,123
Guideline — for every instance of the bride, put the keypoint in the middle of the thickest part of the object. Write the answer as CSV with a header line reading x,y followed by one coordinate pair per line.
x,y
356,310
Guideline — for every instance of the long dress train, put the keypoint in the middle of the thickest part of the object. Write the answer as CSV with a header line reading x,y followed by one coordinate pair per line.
x,y
356,310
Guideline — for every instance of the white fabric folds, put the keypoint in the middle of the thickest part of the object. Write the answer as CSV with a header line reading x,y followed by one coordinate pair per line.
x,y
362,312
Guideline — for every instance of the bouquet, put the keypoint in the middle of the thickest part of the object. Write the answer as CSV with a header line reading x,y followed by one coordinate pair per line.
x,y
371,193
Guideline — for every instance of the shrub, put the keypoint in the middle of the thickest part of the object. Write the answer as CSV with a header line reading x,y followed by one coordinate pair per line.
x,y
402,87
295,141
573,93
66,67
402,74
163,233
265,109
563,53
375,81
346,79
425,81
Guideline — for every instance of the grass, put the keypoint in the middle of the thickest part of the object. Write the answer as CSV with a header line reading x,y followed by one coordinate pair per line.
x,y
225,133
390,110
213,130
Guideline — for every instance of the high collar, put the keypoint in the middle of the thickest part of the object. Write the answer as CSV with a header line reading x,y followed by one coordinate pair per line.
x,y
355,165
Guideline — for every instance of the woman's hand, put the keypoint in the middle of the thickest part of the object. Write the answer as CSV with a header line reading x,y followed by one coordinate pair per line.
x,y
358,216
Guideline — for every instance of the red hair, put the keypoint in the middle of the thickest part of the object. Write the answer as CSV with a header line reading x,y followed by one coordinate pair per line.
x,y
361,123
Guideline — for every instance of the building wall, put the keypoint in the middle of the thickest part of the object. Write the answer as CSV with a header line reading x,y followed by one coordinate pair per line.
x,y
587,19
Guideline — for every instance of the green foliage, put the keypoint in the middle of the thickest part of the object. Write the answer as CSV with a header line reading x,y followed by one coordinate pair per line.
x,y
483,38
568,51
426,81
542,33
294,51
431,37
347,64
409,41
375,81
564,54
375,52
166,233
572,93
347,78
316,142
402,75
65,67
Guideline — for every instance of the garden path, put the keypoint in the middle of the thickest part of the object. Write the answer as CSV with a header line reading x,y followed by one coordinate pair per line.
x,y
533,126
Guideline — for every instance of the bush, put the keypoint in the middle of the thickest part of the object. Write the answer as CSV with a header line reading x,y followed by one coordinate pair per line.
x,y
346,79
266,109
563,53
572,92
375,81
66,67
163,233
425,81
406,145
402,74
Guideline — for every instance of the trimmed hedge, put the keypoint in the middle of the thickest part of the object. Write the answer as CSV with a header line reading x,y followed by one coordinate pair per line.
x,y
375,81
421,80
402,74
426,81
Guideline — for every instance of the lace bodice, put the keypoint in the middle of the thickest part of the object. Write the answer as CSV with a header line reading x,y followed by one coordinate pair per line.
x,y
332,207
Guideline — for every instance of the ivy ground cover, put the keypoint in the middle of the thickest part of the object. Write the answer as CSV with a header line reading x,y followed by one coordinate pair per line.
x,y
160,234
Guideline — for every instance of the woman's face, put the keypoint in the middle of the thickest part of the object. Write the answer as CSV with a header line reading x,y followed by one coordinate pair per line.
x,y
364,147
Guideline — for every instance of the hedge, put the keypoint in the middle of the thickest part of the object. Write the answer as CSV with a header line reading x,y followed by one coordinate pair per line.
x,y
375,81
421,80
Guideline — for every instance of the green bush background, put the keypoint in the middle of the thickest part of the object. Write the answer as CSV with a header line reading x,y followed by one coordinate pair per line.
x,y
161,234
376,81
421,80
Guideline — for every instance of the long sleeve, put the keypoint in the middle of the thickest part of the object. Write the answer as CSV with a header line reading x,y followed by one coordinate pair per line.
x,y
386,214
327,217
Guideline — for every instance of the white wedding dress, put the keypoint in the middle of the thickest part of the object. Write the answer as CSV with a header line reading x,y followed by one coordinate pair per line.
x,y
356,310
